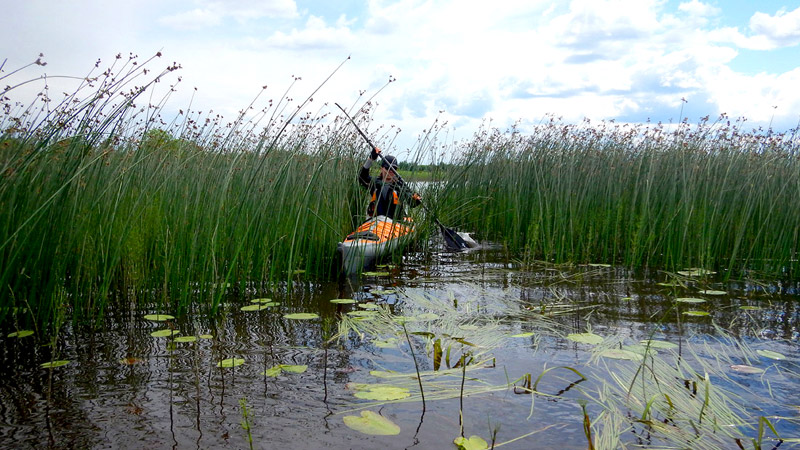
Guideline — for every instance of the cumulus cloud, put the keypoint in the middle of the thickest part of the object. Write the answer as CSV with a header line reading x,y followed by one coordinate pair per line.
x,y
767,32
210,13
316,34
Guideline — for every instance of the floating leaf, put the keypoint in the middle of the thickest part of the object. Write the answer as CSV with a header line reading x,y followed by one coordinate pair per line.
x,y
369,305
256,307
376,274
622,354
343,301
261,300
164,333
185,339
301,316
367,313
389,343
770,354
404,319
54,364
585,338
522,335
158,317
382,393
273,371
382,291
382,373
626,299
20,334
206,336
599,265
741,368
712,292
473,443
293,368
696,313
231,362
372,423
659,344
750,308
690,300
469,327
695,272
130,361
669,284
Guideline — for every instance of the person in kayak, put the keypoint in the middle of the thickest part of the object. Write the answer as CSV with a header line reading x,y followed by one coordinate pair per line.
x,y
388,192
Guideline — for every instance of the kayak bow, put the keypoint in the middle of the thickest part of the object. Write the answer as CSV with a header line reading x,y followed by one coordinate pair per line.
x,y
374,239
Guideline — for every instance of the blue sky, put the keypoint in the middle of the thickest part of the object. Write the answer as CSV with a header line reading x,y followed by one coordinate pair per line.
x,y
463,62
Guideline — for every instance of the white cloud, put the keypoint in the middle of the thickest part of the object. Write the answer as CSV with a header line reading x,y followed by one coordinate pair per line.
x,y
780,30
210,13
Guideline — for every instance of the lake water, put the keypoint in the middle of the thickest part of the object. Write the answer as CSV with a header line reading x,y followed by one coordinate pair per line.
x,y
124,388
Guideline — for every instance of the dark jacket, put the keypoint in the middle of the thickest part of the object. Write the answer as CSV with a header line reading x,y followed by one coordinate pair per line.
x,y
386,199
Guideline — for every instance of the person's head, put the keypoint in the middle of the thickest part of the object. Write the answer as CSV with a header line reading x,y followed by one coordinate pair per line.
x,y
389,162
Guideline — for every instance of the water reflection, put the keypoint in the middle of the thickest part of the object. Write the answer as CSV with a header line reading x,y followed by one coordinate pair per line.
x,y
165,394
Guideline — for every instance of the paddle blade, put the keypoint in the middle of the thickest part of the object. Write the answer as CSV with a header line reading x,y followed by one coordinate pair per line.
x,y
452,239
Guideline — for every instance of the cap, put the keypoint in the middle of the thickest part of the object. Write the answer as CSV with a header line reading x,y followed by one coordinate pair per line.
x,y
389,161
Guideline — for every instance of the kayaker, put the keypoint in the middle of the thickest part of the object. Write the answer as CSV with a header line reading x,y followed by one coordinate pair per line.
x,y
388,193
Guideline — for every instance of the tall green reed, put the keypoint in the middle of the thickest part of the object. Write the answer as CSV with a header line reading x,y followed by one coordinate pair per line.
x,y
104,200
710,195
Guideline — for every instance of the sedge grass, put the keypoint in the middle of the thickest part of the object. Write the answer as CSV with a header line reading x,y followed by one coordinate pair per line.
x,y
710,195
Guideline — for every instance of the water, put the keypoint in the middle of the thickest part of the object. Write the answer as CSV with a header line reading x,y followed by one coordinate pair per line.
x,y
180,399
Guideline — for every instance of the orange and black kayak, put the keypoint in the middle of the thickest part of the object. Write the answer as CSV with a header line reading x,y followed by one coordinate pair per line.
x,y
375,238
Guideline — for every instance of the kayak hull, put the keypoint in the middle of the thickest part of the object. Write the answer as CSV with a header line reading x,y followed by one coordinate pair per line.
x,y
374,239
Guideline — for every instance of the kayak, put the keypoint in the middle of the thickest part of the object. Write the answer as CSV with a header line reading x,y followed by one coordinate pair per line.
x,y
374,239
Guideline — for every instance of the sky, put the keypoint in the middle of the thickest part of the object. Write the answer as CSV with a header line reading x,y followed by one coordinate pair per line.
x,y
465,63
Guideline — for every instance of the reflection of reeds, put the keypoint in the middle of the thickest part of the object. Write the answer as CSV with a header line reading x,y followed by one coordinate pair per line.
x,y
710,195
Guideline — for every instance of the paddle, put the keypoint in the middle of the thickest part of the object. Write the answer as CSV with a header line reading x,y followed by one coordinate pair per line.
x,y
451,238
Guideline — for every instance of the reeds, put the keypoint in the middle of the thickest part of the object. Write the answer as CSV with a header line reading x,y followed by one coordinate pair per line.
x,y
710,195
102,199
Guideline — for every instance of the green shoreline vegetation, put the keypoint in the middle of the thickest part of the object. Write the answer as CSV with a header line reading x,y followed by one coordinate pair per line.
x,y
102,200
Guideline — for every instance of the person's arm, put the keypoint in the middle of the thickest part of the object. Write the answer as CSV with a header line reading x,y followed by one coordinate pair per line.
x,y
363,175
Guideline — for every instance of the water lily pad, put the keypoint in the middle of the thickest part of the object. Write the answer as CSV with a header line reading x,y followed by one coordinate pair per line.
x,y
599,265
695,272
369,305
468,327
265,301
388,343
622,354
712,292
343,301
20,334
382,373
365,313
522,335
473,443
372,423
690,300
164,333
382,393
185,339
206,336
626,299
54,364
741,368
301,316
659,344
770,354
159,317
255,307
375,274
750,308
696,313
585,338
274,371
382,291
231,362
404,319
